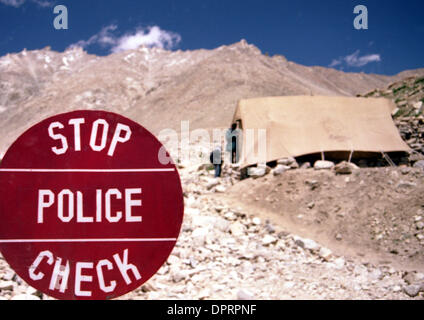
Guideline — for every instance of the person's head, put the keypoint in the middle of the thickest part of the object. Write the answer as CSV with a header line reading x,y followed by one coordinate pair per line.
x,y
234,126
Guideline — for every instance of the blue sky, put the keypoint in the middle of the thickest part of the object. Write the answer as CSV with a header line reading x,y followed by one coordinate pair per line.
x,y
309,32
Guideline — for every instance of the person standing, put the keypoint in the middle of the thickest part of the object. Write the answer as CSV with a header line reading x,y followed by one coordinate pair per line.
x,y
216,160
232,137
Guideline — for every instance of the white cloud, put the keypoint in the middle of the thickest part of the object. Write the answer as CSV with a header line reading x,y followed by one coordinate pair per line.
x,y
150,37
43,3
335,63
13,3
18,3
104,37
355,60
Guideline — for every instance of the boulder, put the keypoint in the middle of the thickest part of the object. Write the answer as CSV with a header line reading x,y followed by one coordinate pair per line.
x,y
305,165
419,164
286,161
268,239
279,169
345,167
6,285
325,253
256,172
413,290
237,229
418,106
323,164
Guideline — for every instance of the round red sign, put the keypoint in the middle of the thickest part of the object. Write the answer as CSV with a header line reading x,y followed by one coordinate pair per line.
x,y
87,210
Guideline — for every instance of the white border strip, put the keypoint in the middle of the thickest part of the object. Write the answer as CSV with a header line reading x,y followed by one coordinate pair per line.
x,y
87,170
88,240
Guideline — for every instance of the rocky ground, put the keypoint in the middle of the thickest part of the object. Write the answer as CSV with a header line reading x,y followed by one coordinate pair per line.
x,y
227,252
407,94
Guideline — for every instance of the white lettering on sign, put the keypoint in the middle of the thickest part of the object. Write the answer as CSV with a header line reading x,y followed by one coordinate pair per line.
x,y
98,135
77,132
102,284
46,198
60,272
39,275
83,272
57,136
93,137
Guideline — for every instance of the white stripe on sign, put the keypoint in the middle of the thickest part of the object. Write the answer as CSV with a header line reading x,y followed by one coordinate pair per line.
x,y
87,170
88,240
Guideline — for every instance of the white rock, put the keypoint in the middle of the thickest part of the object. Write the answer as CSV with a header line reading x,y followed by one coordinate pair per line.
x,y
310,245
419,236
325,253
229,215
6,285
256,172
191,211
220,189
172,260
222,224
286,161
256,221
396,288
418,105
199,236
268,239
237,229
405,185
245,295
323,164
419,225
279,169
202,221
339,263
178,275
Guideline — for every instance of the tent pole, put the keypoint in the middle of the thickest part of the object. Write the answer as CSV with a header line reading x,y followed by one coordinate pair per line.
x,y
387,158
350,156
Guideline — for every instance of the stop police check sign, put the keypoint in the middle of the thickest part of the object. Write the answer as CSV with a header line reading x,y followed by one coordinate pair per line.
x,y
87,211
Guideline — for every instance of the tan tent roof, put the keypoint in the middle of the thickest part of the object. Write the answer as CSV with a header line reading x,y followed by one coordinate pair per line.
x,y
302,125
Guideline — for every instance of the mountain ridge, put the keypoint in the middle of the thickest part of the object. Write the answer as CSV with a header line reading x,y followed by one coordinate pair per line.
x,y
160,88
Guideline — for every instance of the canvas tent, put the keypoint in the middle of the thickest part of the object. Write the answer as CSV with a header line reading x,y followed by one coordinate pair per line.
x,y
303,125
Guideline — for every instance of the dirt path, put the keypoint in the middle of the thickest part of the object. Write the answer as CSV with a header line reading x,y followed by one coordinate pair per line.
x,y
372,215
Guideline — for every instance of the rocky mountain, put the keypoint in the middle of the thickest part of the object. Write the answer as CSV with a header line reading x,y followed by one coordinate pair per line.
x,y
408,95
159,88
